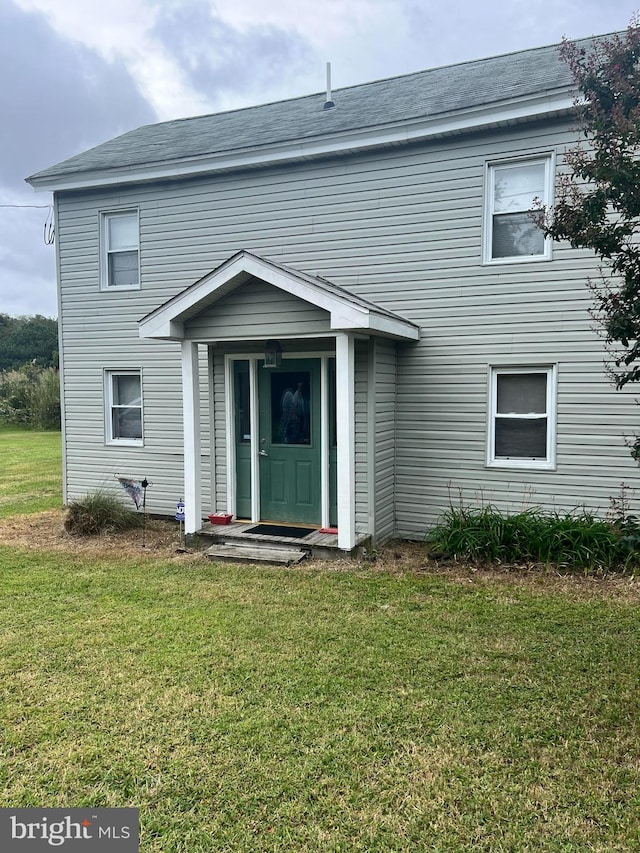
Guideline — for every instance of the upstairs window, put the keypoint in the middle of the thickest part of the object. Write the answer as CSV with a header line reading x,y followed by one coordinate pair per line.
x,y
510,233
522,420
123,410
120,263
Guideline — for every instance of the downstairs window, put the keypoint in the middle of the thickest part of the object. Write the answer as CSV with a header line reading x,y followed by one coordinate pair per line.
x,y
123,406
522,417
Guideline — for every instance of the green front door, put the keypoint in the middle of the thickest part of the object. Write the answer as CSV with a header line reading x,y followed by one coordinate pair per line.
x,y
289,441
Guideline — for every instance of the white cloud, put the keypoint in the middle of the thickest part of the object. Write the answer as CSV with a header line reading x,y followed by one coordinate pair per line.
x,y
119,29
364,39
242,52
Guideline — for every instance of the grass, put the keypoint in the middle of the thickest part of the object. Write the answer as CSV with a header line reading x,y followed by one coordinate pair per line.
x,y
315,709
30,471
248,709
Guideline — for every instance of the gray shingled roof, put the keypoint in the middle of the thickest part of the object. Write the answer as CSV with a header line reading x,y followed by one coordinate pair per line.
x,y
424,94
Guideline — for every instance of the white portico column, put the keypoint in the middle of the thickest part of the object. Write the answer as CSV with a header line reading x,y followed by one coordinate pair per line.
x,y
345,429
191,421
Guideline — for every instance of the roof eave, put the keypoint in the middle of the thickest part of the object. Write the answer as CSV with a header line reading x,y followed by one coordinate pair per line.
x,y
542,105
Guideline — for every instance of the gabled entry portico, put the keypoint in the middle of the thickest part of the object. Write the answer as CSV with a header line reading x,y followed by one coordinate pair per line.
x,y
287,437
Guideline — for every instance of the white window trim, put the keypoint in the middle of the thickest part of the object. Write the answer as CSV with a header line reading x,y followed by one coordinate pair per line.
x,y
489,197
548,464
108,406
105,215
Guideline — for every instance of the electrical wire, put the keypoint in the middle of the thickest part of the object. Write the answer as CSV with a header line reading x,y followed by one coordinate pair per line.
x,y
48,229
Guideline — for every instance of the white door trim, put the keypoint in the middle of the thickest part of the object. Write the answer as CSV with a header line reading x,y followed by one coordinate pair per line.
x,y
254,420
324,441
230,426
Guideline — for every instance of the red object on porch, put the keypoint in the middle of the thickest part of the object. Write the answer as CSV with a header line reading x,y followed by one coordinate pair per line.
x,y
328,530
220,518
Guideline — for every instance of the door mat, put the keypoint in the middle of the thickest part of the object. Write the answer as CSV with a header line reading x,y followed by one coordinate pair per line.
x,y
277,530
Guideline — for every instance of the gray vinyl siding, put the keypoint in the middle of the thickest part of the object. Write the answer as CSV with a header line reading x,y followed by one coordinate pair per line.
x,y
384,380
401,227
100,333
257,310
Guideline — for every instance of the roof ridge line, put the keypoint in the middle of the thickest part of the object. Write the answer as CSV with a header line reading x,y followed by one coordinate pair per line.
x,y
367,83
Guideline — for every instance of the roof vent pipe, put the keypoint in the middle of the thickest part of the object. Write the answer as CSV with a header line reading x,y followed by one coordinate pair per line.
x,y
328,103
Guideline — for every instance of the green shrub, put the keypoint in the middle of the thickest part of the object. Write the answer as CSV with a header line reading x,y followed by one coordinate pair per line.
x,y
564,540
100,512
13,397
31,396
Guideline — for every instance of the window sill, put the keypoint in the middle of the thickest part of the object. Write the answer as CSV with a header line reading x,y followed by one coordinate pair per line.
x,y
519,259
521,465
124,442
108,288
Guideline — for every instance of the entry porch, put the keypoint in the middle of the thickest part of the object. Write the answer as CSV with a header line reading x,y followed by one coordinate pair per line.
x,y
296,393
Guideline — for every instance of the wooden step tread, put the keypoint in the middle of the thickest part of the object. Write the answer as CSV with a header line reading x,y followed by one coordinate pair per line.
x,y
242,553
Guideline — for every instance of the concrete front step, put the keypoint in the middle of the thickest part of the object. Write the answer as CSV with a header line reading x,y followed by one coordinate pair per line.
x,y
241,553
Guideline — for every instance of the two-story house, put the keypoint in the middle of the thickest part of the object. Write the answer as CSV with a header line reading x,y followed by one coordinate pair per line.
x,y
337,315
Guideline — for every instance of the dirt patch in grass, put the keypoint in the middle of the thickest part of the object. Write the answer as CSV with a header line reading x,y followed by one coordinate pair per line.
x,y
45,531
414,557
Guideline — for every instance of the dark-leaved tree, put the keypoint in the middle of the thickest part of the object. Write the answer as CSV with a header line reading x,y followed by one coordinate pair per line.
x,y
597,202
24,340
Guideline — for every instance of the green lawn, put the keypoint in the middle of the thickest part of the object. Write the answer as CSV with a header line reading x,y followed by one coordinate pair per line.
x,y
30,471
246,709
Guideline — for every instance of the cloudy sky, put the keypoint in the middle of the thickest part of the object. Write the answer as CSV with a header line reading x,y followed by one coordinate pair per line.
x,y
77,72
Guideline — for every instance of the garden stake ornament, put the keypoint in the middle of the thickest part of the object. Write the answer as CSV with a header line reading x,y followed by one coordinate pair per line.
x,y
137,491
180,519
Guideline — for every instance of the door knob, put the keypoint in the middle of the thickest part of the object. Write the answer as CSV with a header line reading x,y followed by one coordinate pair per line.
x,y
263,453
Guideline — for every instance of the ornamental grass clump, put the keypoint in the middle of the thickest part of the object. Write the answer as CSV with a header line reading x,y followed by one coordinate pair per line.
x,y
100,512
31,397
563,540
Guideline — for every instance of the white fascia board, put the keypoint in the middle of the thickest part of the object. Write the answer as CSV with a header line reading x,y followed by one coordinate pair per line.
x,y
344,315
537,106
356,318
161,328
241,268
288,282
395,328
167,322
247,266
350,317
333,305
391,329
